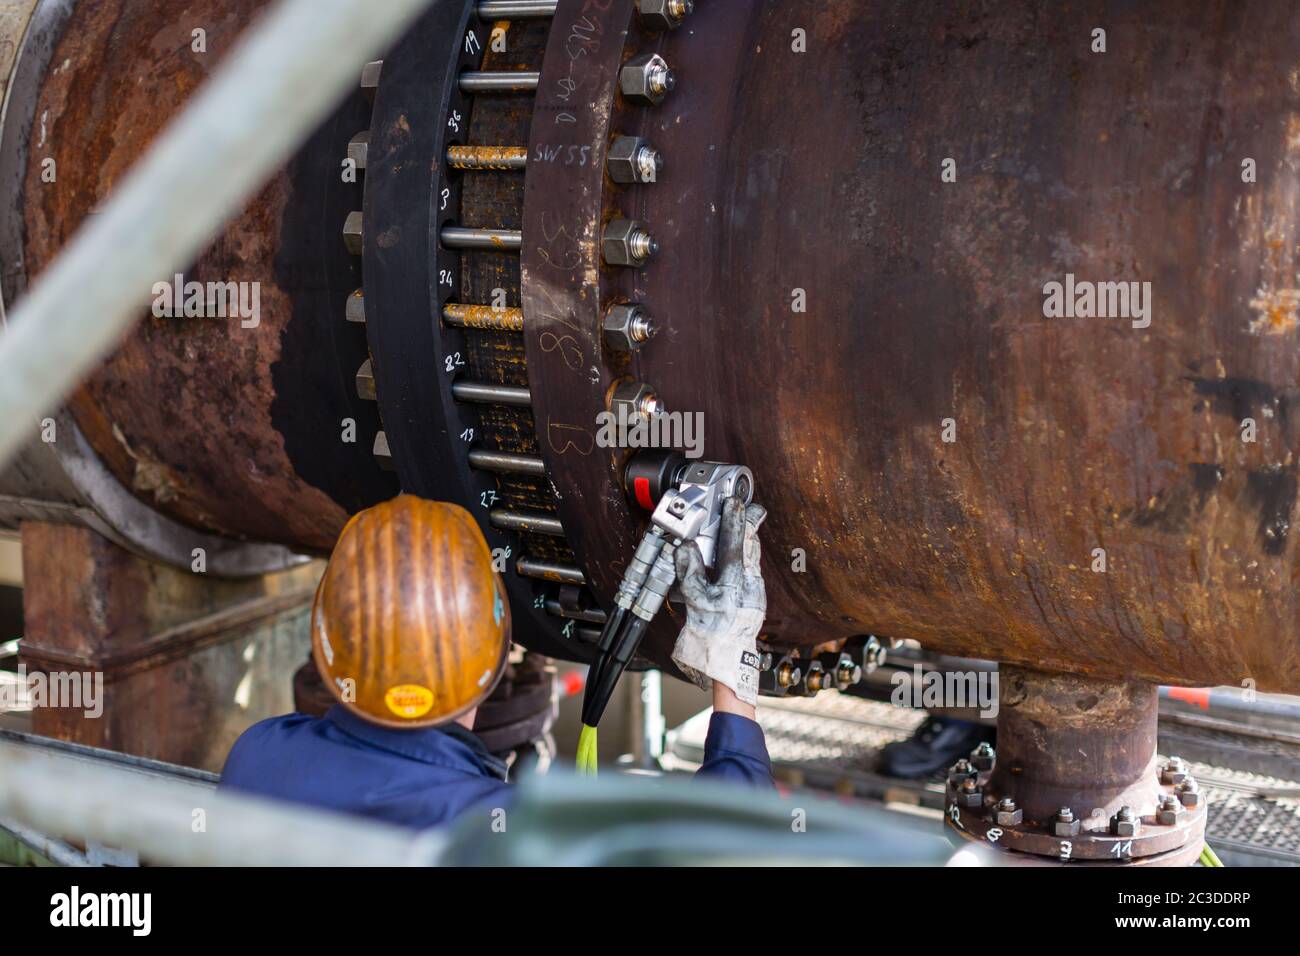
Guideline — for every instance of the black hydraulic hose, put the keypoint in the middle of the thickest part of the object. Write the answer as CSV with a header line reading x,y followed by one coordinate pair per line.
x,y
599,692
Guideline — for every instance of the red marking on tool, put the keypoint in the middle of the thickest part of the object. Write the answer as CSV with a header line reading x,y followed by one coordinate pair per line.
x,y
641,488
572,683
1200,696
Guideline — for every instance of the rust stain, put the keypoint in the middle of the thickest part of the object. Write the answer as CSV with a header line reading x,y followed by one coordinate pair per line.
x,y
181,412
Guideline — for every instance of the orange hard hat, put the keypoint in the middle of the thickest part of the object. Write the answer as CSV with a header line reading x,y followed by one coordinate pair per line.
x,y
410,627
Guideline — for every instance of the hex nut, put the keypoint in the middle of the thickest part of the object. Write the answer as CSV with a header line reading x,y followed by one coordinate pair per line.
x,y
366,382
847,673
662,15
359,148
816,679
627,243
1007,814
873,654
356,307
633,160
627,327
1174,771
1170,811
1189,794
633,400
380,449
1066,824
1125,823
983,756
370,76
971,797
352,233
646,79
959,771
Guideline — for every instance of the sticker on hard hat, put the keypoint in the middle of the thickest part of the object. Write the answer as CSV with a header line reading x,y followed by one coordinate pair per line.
x,y
409,700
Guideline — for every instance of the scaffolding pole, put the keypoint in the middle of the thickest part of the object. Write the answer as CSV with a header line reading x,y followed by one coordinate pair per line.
x,y
55,795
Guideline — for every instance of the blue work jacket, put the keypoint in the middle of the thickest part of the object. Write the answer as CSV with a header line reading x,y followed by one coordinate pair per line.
x,y
420,778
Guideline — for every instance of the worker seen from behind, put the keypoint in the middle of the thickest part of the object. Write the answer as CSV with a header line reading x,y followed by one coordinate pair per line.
x,y
410,631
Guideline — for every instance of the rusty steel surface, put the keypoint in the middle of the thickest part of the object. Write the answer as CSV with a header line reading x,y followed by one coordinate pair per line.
x,y
821,172
487,157
502,319
187,661
233,429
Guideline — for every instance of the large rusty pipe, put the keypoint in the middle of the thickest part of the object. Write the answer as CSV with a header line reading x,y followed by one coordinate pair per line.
x,y
269,441
276,87
858,301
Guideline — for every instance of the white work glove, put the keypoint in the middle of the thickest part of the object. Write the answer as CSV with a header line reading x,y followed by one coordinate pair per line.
x,y
719,641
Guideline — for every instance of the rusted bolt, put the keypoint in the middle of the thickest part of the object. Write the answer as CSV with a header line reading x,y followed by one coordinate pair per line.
x,y
646,79
1189,793
1125,823
1174,771
971,795
873,654
983,756
847,673
959,771
1171,811
664,14
816,679
633,400
628,243
787,675
627,327
633,160
1007,813
1066,823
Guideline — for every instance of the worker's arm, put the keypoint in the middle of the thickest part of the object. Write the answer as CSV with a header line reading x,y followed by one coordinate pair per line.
x,y
734,748
718,646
